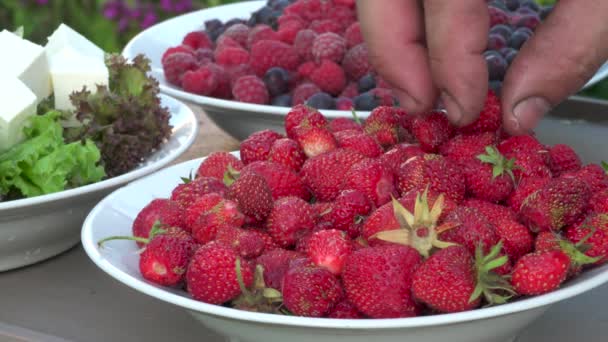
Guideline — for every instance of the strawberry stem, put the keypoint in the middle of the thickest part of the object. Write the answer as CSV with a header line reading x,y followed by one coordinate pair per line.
x,y
355,116
157,229
231,175
488,281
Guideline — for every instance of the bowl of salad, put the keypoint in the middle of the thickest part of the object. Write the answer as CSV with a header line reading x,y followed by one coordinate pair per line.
x,y
78,124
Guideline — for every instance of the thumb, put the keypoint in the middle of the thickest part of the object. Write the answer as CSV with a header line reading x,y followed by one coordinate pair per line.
x,y
562,55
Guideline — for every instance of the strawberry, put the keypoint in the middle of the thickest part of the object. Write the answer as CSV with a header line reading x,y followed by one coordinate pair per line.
x,y
246,243
453,279
599,202
282,181
269,243
592,233
275,263
257,146
558,204
167,212
517,238
373,179
310,291
290,219
490,177
348,210
435,172
383,124
593,175
311,119
546,241
490,118
217,211
212,277
295,116
287,152
432,130
345,310
525,188
360,142
315,141
529,164
253,195
344,124
521,143
323,174
377,280
540,272
463,148
563,159
399,154
189,192
493,212
471,230
216,165
329,249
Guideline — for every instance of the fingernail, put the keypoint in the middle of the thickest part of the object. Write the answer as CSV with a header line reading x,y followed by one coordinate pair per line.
x,y
452,108
530,111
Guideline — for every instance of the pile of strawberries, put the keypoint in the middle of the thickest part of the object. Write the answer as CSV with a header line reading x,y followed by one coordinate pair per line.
x,y
399,216
317,48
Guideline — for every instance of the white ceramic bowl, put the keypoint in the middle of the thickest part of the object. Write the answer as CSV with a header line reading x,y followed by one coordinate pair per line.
x,y
114,216
37,228
236,118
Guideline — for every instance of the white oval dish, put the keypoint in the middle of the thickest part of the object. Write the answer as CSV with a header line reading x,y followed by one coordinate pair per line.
x,y
236,118
119,259
34,229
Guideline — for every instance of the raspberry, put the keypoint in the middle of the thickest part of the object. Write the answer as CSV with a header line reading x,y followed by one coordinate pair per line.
x,y
225,41
289,17
204,55
342,15
324,26
303,92
350,91
176,64
330,77
353,35
197,39
201,81
383,96
307,9
266,54
179,48
223,89
261,32
235,72
250,89
303,44
230,56
306,69
238,32
344,103
328,46
356,63
288,31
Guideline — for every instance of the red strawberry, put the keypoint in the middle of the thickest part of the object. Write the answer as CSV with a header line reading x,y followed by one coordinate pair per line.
x,y
558,204
297,114
516,238
360,142
329,249
253,195
562,159
315,141
188,193
432,130
344,124
525,188
310,291
493,212
269,243
599,202
257,146
489,119
345,310
540,272
466,147
208,214
275,264
383,124
399,154
287,152
165,259
245,242
594,175
453,280
520,143
348,210
373,179
529,164
377,280
435,172
490,177
216,165
290,219
546,241
282,181
592,233
323,174
471,230
168,213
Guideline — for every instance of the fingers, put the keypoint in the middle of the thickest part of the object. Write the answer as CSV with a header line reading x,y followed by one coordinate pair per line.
x,y
394,33
565,51
457,35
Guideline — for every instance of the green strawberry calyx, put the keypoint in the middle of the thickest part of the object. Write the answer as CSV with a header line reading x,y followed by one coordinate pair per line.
x,y
495,288
500,164
258,298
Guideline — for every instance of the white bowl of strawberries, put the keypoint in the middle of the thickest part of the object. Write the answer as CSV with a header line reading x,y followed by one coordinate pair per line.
x,y
399,229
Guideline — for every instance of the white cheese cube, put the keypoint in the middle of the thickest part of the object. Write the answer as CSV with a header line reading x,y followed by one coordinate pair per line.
x,y
72,72
18,104
65,37
26,61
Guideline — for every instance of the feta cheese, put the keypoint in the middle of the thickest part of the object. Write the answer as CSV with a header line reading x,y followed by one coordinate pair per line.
x,y
65,37
18,104
26,61
71,71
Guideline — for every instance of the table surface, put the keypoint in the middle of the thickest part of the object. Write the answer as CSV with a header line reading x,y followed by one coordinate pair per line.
x,y
67,298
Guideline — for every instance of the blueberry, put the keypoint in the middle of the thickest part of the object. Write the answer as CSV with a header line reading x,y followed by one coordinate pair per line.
x,y
524,11
277,81
279,5
321,100
496,42
512,5
545,11
497,65
235,21
496,86
282,100
268,16
518,38
366,83
531,4
215,33
366,101
528,21
509,54
503,30
213,24
498,4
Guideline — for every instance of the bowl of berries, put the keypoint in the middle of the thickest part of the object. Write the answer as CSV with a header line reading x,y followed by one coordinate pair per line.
x,y
247,63
414,230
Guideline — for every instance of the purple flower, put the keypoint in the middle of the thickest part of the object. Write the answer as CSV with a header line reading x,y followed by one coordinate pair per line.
x,y
148,20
